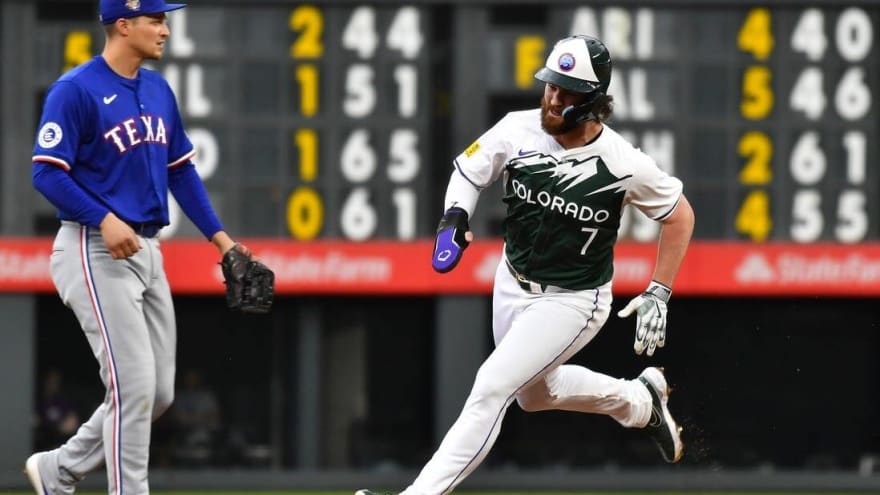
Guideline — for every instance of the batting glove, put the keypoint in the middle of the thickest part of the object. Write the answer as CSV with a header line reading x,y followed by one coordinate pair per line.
x,y
450,242
650,308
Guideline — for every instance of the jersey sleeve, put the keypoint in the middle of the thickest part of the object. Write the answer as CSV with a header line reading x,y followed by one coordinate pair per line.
x,y
180,148
652,190
190,193
64,120
482,162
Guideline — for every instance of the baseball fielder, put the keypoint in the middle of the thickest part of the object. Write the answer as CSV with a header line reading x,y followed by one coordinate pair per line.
x,y
110,146
567,177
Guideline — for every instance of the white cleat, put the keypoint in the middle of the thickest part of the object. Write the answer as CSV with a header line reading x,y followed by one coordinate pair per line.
x,y
663,429
32,470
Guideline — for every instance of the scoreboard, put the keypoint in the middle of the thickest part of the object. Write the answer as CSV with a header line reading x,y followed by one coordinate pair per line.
x,y
765,112
339,120
309,121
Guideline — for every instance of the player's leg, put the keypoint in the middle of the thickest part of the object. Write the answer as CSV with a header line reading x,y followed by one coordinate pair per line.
x,y
159,314
637,403
545,332
59,469
80,454
576,388
571,387
106,296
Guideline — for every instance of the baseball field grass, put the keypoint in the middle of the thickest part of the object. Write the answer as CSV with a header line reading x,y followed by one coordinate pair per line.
x,y
462,493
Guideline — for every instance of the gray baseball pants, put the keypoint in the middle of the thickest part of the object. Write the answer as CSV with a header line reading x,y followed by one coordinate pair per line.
x,y
126,312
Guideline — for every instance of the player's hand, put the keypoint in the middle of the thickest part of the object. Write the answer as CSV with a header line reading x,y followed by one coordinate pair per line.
x,y
224,243
119,238
650,308
243,249
453,236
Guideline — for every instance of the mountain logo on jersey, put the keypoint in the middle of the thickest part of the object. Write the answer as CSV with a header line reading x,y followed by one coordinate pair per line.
x,y
570,172
50,135
541,180
127,134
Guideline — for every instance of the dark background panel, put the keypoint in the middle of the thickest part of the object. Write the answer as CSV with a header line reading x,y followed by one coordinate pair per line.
x,y
757,382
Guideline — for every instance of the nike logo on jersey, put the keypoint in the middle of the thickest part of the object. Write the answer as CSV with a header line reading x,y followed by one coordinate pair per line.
x,y
127,135
524,153
109,99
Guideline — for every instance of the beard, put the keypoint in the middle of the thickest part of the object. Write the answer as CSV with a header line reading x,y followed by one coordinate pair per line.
x,y
552,124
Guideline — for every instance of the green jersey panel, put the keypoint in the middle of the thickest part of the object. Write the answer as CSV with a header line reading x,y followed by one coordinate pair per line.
x,y
563,205
562,219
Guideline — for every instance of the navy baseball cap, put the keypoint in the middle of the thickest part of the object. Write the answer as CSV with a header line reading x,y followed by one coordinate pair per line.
x,y
111,10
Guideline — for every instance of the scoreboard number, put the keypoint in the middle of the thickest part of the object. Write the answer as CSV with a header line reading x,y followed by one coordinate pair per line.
x,y
756,34
322,115
308,21
356,178
757,148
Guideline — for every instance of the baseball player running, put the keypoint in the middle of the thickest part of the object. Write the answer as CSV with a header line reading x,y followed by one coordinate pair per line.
x,y
567,177
110,146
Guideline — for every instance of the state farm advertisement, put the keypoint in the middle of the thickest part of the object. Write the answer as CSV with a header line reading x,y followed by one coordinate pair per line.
x,y
374,268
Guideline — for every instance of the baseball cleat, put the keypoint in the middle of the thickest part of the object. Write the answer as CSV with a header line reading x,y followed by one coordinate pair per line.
x,y
32,470
370,492
664,431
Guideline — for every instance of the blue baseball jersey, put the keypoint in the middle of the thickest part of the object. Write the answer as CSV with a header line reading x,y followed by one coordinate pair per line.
x,y
116,137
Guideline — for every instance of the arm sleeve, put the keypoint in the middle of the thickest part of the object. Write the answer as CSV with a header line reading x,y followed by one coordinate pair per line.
x,y
461,193
483,161
180,148
66,195
187,188
64,123
652,190
479,165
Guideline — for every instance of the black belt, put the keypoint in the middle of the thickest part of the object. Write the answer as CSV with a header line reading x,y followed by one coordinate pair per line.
x,y
145,229
526,284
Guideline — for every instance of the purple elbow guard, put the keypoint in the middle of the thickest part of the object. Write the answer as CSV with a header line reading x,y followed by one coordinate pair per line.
x,y
450,242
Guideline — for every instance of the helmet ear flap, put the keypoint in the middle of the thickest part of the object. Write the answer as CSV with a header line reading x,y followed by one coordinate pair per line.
x,y
575,114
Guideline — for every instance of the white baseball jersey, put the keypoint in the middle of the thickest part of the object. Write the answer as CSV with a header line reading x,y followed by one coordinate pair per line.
x,y
564,205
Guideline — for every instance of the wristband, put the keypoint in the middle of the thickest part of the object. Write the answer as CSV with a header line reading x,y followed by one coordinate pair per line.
x,y
659,291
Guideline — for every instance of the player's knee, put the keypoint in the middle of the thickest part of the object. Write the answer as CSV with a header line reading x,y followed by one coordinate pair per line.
x,y
535,398
531,403
489,387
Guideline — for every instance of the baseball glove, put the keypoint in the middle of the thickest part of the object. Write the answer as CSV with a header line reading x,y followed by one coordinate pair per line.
x,y
250,285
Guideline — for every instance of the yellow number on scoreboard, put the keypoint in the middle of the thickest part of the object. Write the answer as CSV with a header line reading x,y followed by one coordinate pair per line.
x,y
309,20
307,77
758,150
77,49
306,141
757,93
753,218
755,35
305,214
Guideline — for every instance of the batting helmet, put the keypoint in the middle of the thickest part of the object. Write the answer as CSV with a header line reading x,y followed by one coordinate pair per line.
x,y
581,64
